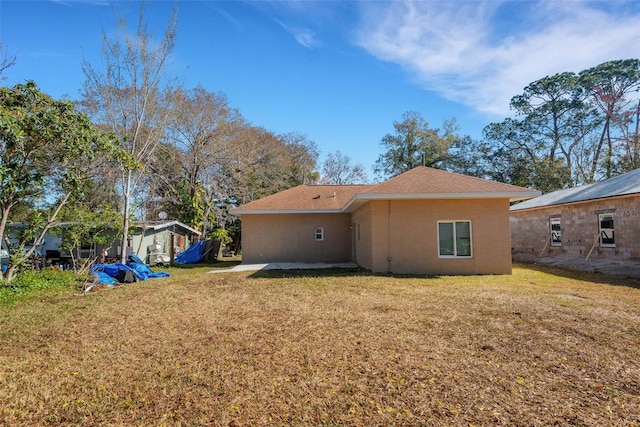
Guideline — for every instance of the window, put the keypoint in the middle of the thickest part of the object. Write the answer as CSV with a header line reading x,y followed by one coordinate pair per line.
x,y
606,230
556,231
454,239
319,234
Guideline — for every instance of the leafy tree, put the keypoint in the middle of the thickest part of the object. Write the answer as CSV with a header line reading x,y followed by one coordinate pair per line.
x,y
84,227
557,117
337,169
45,151
610,85
563,129
414,144
128,97
470,157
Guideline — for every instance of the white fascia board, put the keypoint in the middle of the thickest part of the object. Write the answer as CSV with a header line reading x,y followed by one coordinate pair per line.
x,y
171,223
514,196
285,211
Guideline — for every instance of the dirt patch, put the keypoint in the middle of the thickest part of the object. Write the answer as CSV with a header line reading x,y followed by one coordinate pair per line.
x,y
572,297
608,267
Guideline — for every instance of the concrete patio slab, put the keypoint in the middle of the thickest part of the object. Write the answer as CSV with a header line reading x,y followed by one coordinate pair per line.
x,y
286,266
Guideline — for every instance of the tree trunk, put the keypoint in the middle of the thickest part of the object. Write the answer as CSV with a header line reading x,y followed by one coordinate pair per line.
x,y
125,216
596,156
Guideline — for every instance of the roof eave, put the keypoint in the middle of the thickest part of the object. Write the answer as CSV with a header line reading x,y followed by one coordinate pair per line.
x,y
359,199
512,196
240,212
168,224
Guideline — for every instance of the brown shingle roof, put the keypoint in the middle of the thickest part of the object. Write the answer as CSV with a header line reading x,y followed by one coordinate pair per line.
x,y
418,183
424,180
317,198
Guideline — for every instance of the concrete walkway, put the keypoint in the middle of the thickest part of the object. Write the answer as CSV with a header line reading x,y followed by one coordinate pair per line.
x,y
286,266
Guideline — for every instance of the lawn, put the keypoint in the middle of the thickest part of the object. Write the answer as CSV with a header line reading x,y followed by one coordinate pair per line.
x,y
327,348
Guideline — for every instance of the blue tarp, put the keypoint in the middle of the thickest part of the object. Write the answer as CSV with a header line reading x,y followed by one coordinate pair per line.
x,y
192,255
104,278
142,271
107,273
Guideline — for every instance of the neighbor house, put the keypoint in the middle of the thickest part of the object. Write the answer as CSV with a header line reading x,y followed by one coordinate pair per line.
x,y
591,222
153,241
158,242
424,221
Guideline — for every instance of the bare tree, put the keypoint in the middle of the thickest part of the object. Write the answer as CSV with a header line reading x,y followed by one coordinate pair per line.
x,y
203,130
304,156
337,169
6,61
130,97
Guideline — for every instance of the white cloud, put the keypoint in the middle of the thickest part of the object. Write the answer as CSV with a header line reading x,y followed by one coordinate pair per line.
x,y
483,53
303,36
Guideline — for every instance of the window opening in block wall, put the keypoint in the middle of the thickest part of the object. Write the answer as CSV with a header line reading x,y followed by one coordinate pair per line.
x,y
606,231
556,231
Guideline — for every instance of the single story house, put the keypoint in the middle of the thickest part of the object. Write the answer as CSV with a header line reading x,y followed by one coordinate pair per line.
x,y
598,221
153,241
424,221
157,242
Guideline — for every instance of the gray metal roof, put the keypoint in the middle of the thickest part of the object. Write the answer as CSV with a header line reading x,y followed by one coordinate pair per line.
x,y
621,185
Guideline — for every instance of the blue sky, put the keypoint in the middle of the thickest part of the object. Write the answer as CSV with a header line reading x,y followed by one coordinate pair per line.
x,y
339,72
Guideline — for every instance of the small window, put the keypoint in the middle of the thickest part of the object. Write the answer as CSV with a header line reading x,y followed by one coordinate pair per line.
x,y
606,231
454,239
319,233
556,231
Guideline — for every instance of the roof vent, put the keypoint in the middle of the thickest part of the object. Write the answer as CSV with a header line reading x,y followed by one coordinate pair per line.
x,y
317,197
334,194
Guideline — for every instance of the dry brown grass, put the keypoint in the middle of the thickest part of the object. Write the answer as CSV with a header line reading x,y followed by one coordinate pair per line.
x,y
328,348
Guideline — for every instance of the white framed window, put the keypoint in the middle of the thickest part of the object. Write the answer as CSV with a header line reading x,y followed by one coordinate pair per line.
x,y
556,231
454,239
606,230
319,234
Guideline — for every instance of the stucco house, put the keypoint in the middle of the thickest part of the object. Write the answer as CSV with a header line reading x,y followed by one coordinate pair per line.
x,y
424,221
584,224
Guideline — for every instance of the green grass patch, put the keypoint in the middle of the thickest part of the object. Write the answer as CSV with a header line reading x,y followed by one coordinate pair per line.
x,y
35,284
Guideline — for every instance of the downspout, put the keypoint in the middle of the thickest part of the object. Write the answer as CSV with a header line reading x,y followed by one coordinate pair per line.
x,y
353,241
389,258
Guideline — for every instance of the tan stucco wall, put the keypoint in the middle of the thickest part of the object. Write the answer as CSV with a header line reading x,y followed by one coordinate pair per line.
x,y
383,236
404,236
579,221
290,238
362,227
